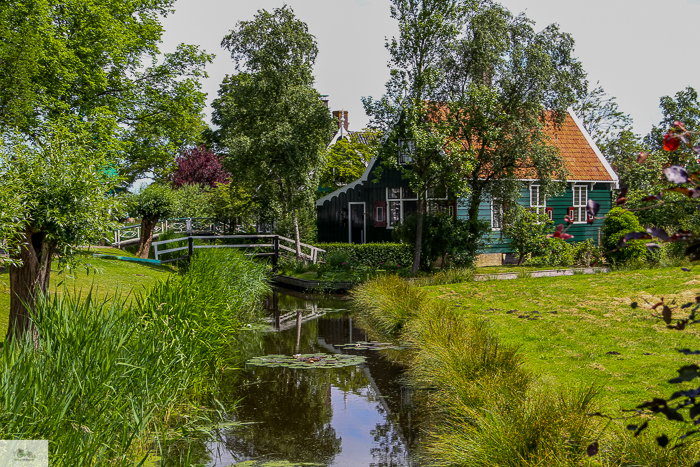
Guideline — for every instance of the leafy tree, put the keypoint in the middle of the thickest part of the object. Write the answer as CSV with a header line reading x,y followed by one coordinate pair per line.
x,y
198,166
151,204
347,159
274,127
601,115
406,114
62,184
192,200
526,230
233,205
90,59
504,85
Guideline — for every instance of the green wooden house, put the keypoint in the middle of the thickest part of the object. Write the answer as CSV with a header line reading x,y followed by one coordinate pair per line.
x,y
368,209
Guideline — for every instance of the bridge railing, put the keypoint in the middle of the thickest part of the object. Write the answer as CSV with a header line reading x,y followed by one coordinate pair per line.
x,y
274,245
132,233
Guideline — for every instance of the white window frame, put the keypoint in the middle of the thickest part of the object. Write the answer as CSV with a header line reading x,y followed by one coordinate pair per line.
x,y
580,216
431,206
406,150
399,200
538,208
379,214
494,216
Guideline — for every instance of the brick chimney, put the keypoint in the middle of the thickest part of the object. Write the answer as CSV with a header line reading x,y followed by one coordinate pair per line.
x,y
342,116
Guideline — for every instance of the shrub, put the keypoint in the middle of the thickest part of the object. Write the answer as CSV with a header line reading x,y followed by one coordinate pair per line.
x,y
555,253
586,253
443,237
526,230
616,225
374,255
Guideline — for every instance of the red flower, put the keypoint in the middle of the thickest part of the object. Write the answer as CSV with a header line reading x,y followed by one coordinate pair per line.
x,y
671,142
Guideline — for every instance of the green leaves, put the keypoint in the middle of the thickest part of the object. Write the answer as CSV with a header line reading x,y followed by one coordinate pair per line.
x,y
273,125
62,180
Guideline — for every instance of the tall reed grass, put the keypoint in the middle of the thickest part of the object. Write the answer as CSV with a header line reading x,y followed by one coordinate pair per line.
x,y
485,408
107,376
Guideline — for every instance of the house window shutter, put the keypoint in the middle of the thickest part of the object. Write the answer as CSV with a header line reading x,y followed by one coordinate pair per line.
x,y
550,213
570,212
589,218
380,213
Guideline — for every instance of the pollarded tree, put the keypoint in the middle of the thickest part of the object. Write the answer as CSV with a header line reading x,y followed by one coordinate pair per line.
x,y
273,125
505,83
151,204
62,182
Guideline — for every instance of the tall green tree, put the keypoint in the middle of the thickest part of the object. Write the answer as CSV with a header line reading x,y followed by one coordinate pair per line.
x,y
62,182
90,59
602,116
505,84
407,111
274,128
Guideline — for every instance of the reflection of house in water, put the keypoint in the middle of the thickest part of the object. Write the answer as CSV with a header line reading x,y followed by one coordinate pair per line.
x,y
384,377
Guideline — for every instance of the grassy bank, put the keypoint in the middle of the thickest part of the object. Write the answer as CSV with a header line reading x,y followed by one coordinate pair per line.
x,y
506,386
114,378
104,277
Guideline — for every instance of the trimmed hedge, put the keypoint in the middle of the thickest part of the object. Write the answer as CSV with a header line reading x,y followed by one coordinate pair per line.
x,y
373,255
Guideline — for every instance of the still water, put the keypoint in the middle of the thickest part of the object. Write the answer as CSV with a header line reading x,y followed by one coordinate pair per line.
x,y
353,416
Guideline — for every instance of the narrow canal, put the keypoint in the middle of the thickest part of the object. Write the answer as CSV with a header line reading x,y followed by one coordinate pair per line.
x,y
358,415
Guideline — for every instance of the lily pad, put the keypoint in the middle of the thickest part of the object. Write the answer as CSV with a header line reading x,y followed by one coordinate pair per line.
x,y
304,361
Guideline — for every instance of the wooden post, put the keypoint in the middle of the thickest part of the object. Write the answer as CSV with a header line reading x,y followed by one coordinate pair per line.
x,y
190,247
276,251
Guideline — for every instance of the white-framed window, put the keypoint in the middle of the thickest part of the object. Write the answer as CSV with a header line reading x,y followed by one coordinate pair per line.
x,y
406,150
538,203
496,214
379,215
580,201
436,201
401,203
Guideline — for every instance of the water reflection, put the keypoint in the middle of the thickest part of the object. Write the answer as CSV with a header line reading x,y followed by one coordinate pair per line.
x,y
351,416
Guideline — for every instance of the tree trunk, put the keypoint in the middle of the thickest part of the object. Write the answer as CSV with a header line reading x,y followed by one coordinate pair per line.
x,y
28,281
473,211
296,234
419,234
147,226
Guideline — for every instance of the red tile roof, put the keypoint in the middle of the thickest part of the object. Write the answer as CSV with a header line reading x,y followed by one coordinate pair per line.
x,y
578,152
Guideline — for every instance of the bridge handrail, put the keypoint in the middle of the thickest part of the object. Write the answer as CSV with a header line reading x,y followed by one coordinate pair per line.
x,y
275,245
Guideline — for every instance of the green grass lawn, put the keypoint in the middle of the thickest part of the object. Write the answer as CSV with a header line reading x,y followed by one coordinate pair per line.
x,y
581,330
106,276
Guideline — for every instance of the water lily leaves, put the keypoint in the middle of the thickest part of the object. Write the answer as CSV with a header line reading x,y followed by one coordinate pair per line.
x,y
304,361
363,345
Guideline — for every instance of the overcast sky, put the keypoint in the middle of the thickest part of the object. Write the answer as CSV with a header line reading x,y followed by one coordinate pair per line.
x,y
639,50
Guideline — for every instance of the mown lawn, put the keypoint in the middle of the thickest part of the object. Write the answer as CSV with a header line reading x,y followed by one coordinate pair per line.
x,y
106,277
580,330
